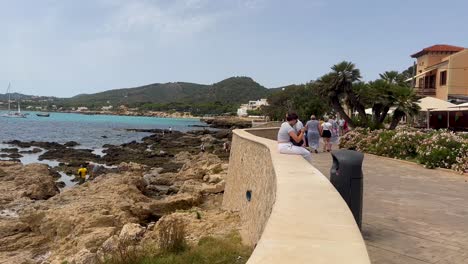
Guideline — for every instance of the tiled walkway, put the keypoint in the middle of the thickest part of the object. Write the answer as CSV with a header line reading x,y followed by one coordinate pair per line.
x,y
411,215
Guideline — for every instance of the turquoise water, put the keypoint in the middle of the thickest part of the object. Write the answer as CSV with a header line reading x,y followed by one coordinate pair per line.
x,y
91,131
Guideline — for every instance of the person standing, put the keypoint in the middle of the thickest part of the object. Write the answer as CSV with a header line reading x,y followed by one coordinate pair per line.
x,y
287,133
341,125
326,134
82,171
202,147
334,131
313,133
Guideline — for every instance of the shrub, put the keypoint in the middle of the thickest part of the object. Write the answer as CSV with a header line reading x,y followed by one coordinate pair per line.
x,y
227,250
351,139
402,144
431,148
443,150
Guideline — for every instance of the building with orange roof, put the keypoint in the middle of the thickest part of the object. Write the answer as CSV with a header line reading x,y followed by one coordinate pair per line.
x,y
442,72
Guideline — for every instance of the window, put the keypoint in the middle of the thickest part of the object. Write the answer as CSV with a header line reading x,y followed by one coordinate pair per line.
x,y
443,78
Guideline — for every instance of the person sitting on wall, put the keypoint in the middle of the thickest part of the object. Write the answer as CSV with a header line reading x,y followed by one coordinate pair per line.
x,y
287,134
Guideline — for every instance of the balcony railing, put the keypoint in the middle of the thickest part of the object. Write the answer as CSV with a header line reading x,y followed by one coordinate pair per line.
x,y
425,91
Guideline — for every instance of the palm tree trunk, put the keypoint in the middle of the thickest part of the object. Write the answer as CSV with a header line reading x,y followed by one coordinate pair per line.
x,y
397,115
377,112
356,103
384,114
335,101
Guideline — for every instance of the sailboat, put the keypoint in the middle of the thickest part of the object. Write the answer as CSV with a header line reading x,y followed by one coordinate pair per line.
x,y
10,113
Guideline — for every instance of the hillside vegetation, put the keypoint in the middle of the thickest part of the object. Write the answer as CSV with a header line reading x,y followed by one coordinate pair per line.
x,y
231,90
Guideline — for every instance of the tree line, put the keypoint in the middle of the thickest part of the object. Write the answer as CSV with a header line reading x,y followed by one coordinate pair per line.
x,y
341,91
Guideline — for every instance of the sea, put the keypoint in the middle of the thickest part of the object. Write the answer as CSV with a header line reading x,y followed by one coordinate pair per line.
x,y
90,131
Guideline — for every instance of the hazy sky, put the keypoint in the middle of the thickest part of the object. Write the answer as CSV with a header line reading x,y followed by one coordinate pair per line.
x,y
67,47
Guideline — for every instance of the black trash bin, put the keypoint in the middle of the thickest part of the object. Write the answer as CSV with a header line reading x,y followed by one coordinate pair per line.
x,y
346,175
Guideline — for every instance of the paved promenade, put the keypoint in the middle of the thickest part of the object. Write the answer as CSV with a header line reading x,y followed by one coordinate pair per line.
x,y
411,215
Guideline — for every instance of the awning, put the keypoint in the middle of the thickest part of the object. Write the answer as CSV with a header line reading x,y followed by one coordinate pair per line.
x,y
461,106
432,103
417,75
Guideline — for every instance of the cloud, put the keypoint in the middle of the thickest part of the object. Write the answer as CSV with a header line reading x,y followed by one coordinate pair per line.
x,y
253,4
177,18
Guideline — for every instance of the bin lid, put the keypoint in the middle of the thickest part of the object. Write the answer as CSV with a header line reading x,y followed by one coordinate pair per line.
x,y
350,159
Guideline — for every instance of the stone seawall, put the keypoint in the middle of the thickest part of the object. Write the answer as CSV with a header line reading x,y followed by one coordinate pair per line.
x,y
251,188
289,210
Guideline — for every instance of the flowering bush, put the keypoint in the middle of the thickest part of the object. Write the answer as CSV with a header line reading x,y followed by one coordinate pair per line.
x,y
442,149
431,148
354,138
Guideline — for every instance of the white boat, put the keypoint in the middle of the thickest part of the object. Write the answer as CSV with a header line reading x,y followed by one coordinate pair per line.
x,y
13,114
43,114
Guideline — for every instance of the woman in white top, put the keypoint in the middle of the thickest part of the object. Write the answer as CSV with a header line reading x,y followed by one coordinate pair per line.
x,y
326,134
287,133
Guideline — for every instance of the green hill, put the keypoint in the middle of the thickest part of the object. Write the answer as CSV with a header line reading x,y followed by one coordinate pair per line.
x,y
233,90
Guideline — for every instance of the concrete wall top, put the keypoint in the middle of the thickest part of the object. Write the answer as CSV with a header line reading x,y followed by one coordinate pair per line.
x,y
309,221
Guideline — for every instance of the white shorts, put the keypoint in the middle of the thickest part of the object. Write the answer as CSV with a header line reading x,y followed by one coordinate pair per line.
x,y
289,148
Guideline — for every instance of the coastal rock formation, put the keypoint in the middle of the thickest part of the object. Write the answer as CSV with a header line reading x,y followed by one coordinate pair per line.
x,y
80,223
30,182
157,150
228,122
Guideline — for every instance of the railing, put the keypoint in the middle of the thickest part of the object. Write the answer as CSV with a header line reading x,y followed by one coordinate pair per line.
x,y
289,211
426,91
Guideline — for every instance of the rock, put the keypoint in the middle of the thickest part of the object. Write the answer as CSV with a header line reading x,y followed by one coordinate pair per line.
x,y
9,150
71,144
84,256
131,231
180,201
60,184
110,245
11,156
70,155
214,178
32,181
198,224
191,186
132,166
34,150
228,123
208,139
213,188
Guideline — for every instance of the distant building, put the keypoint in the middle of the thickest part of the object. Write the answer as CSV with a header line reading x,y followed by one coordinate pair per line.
x,y
252,105
242,110
442,72
82,108
107,108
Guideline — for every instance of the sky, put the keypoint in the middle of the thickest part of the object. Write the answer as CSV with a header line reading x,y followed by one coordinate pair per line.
x,y
68,47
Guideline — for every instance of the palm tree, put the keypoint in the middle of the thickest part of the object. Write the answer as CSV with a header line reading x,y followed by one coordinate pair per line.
x,y
394,77
382,99
405,100
390,76
338,86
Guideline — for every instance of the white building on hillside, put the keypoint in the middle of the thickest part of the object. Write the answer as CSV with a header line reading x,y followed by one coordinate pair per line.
x,y
252,105
82,108
107,108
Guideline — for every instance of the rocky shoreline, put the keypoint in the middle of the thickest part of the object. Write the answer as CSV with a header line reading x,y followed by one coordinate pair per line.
x,y
227,122
158,114
162,178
